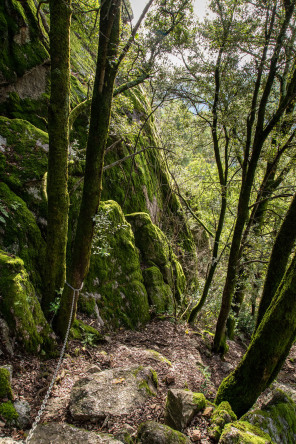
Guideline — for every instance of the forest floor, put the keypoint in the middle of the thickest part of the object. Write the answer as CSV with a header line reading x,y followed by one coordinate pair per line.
x,y
192,366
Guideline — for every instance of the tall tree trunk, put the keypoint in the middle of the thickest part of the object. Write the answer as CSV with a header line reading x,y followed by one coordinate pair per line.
x,y
278,260
58,130
268,350
96,144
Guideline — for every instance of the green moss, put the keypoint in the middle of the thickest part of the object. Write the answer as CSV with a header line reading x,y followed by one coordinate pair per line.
x,y
151,431
159,357
86,305
221,416
20,234
244,433
144,385
277,418
85,333
5,387
23,161
159,293
22,48
8,412
154,377
199,400
20,307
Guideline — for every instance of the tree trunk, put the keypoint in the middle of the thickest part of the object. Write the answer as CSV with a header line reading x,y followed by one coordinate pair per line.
x,y
96,144
279,259
58,117
268,350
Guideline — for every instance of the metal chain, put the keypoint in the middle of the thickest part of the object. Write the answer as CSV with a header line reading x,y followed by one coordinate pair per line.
x,y
43,405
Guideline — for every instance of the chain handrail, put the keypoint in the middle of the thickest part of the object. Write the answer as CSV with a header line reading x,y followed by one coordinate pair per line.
x,y
43,405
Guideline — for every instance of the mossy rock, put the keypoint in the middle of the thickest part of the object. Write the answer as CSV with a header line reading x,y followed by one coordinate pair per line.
x,y
20,307
151,432
85,333
150,240
8,413
222,415
21,46
115,278
159,293
5,387
277,418
181,406
156,251
20,235
23,162
241,432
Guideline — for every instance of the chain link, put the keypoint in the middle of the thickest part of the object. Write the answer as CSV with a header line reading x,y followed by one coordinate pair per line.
x,y
43,405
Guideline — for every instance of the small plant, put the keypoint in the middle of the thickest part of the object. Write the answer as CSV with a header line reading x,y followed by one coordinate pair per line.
x,y
104,229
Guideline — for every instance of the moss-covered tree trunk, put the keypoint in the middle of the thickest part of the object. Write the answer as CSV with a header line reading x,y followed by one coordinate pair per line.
x,y
268,350
58,116
99,127
279,259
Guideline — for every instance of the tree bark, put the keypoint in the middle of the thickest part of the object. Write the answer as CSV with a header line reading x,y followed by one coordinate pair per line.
x,y
278,260
267,352
58,130
96,144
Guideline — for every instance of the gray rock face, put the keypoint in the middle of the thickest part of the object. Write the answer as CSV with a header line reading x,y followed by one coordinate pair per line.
x,y
5,339
181,407
112,392
277,417
65,434
23,409
151,432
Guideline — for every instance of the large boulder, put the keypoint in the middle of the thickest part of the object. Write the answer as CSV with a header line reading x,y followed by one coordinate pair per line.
x,y
115,279
277,417
156,252
112,392
20,307
151,432
182,406
54,433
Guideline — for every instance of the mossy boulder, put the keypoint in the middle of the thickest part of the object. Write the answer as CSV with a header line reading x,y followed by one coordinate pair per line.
x,y
115,392
23,162
20,307
277,418
159,293
156,252
5,386
181,407
151,432
85,333
241,432
222,415
115,278
20,235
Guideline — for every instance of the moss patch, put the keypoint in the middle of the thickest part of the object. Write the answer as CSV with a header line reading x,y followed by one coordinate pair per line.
x,y
20,235
5,387
85,333
244,433
23,161
221,416
8,412
20,308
